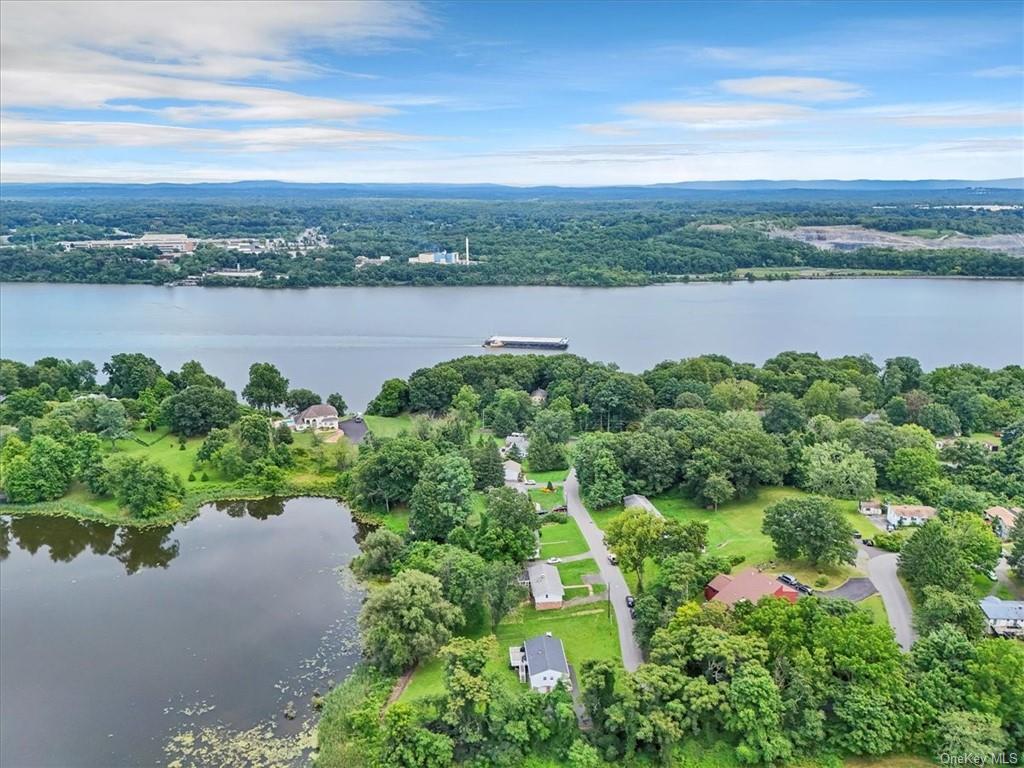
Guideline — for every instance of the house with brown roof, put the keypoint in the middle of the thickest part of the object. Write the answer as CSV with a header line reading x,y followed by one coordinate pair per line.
x,y
750,585
1002,520
908,514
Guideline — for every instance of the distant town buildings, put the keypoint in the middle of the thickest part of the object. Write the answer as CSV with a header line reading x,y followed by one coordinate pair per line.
x,y
170,243
442,257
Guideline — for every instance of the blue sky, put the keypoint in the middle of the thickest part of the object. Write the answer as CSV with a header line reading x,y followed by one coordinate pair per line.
x,y
571,93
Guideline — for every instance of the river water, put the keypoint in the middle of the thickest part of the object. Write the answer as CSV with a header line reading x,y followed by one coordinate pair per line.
x,y
349,340
128,647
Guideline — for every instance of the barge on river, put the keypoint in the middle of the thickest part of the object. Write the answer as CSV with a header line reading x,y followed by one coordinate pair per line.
x,y
527,342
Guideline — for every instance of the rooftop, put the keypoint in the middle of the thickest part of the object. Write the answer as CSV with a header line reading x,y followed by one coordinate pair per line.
x,y
545,582
1002,610
545,652
749,585
319,411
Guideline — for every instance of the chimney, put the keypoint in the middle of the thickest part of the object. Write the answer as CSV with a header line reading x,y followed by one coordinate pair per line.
x,y
467,250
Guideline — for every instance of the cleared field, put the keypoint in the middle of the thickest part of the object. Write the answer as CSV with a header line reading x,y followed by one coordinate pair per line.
x,y
561,539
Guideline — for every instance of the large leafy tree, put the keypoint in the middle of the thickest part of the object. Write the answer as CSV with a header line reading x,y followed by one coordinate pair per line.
x,y
407,744
810,527
301,399
387,472
39,471
440,499
198,409
128,374
633,536
406,620
485,460
932,557
392,399
834,469
143,487
607,484
266,388
783,413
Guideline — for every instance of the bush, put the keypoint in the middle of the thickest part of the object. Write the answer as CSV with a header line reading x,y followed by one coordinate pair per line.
x,y
191,477
181,446
205,477
558,518
821,581
890,542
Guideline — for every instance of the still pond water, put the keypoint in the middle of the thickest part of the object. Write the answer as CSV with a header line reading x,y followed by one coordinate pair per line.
x,y
349,340
124,647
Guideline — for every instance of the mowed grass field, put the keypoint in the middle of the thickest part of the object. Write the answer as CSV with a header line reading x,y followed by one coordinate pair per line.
x,y
561,540
734,530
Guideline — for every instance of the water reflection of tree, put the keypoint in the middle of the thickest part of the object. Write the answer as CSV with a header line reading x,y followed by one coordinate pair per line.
x,y
65,539
259,509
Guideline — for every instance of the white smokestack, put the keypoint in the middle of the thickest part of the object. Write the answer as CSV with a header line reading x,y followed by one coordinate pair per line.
x,y
467,250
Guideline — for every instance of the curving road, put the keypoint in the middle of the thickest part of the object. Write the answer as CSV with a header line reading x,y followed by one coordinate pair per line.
x,y
632,657
882,571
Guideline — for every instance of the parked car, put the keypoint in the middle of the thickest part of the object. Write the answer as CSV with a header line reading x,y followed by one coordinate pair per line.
x,y
856,534
869,542
788,579
528,481
803,588
560,508
630,601
554,560
612,558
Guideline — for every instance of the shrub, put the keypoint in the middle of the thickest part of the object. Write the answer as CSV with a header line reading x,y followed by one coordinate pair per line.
x,y
558,518
205,477
821,581
890,542
191,477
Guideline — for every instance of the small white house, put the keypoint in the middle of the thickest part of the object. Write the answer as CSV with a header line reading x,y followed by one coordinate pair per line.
x,y
541,662
319,416
516,440
545,587
513,472
897,515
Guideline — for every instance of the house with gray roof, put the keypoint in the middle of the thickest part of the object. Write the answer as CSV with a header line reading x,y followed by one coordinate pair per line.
x,y
545,586
541,662
637,500
1004,617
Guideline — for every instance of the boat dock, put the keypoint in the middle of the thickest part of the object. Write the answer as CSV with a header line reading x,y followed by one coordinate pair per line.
x,y
527,342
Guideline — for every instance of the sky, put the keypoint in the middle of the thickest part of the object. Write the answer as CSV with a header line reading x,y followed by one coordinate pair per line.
x,y
531,93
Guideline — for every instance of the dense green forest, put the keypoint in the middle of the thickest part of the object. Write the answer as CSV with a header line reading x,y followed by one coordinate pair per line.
x,y
544,242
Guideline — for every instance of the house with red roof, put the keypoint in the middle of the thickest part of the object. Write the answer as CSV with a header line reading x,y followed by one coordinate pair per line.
x,y
750,585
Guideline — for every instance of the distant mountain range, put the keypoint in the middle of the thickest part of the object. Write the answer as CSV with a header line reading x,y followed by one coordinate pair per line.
x,y
821,189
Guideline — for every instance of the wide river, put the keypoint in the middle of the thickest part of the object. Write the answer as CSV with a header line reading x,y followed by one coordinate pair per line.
x,y
349,340
128,647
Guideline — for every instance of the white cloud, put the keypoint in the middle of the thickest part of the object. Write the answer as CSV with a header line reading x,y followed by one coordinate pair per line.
x,y
704,116
1009,70
947,114
99,55
608,129
794,88
17,132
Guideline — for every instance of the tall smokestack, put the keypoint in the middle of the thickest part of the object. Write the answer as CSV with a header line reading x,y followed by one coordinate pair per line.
x,y
467,250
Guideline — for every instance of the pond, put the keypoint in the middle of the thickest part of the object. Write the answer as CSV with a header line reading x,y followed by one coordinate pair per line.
x,y
122,646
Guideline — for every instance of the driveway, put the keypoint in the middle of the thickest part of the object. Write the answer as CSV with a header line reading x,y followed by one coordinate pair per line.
x,y
610,574
854,589
882,571
354,430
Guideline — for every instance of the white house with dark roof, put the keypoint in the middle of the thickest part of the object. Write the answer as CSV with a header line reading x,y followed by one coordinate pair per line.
x,y
541,662
1004,617
545,586
320,416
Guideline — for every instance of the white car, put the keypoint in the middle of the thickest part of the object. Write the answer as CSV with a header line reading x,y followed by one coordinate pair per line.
x,y
554,560
528,481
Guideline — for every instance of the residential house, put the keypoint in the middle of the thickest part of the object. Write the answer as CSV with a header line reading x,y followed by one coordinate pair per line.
x,y
517,440
539,396
750,585
870,507
546,586
320,416
1002,520
636,500
513,472
897,515
541,662
1004,617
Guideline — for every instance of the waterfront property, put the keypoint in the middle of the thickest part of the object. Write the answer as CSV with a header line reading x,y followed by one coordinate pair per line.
x,y
545,586
319,416
1004,617
541,662
750,585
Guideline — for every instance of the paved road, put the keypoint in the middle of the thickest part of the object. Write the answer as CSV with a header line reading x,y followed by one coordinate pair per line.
x,y
882,570
610,574
854,589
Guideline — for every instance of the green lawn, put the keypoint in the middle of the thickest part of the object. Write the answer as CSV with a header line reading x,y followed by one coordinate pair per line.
x,y
547,499
389,426
587,631
985,437
572,573
876,608
543,478
561,539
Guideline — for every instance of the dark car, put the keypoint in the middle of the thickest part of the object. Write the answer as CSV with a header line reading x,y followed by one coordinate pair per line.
x,y
869,542
787,579
803,588
630,601
560,508
856,534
